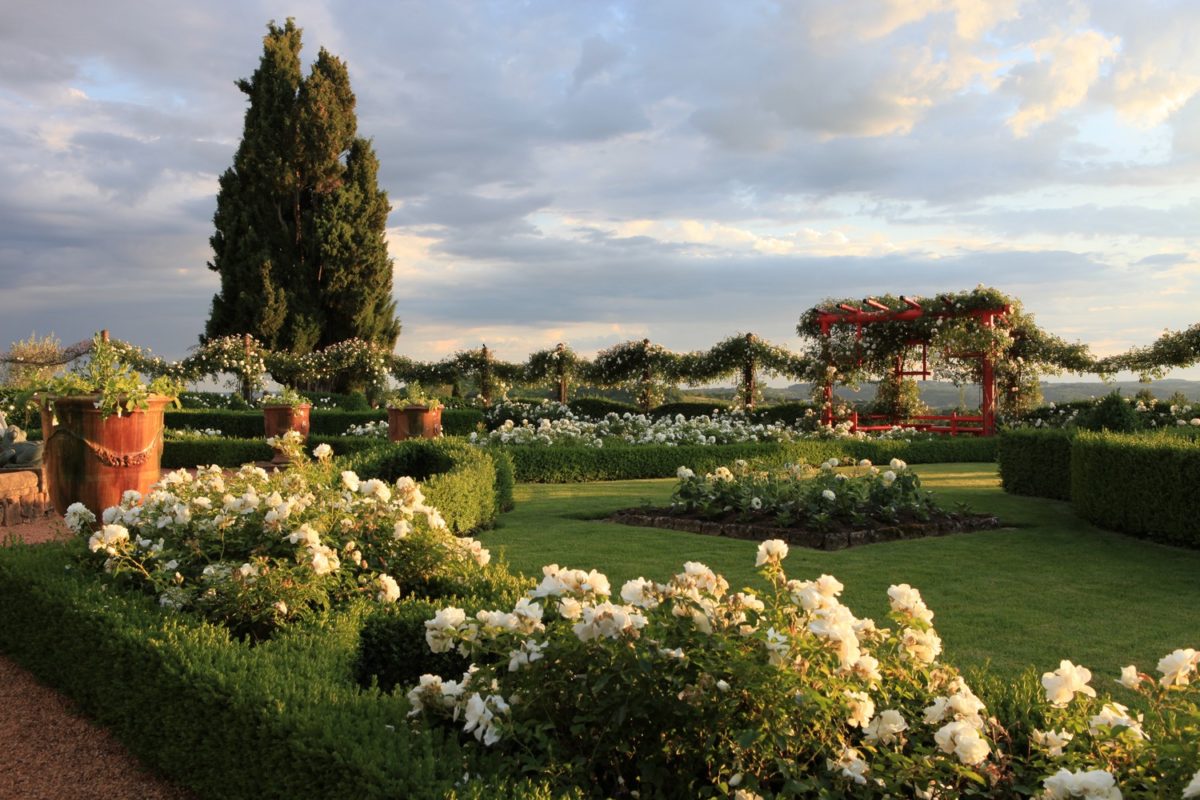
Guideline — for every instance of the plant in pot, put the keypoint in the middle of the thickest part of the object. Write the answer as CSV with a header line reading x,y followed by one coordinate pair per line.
x,y
286,411
412,414
105,431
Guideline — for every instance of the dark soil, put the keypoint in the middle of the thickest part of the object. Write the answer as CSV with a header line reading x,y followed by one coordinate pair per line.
x,y
837,536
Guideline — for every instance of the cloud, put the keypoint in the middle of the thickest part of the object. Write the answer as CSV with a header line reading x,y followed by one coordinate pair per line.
x,y
1064,70
602,171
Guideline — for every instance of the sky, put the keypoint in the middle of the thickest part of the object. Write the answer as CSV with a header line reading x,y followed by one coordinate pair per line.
x,y
593,172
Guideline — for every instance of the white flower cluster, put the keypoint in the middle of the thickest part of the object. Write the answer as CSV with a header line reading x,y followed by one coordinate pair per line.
x,y
638,429
377,429
195,538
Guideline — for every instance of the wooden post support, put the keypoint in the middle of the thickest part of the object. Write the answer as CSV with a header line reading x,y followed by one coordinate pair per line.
x,y
562,374
247,386
485,377
748,386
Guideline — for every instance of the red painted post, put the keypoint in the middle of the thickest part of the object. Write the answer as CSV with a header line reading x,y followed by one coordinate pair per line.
x,y
988,387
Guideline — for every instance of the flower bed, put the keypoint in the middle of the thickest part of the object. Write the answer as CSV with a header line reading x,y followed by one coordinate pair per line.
x,y
255,551
825,508
684,689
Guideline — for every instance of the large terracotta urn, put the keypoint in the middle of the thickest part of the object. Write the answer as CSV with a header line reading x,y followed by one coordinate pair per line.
x,y
278,420
414,422
92,460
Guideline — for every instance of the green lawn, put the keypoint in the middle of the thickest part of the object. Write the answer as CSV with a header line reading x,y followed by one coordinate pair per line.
x,y
1048,587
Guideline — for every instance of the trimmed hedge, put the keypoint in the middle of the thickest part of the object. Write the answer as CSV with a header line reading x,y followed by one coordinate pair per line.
x,y
324,422
1144,485
689,409
577,464
597,407
227,451
461,481
1036,462
227,720
787,413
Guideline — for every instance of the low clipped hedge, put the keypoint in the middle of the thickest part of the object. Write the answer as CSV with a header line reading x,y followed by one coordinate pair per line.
x,y
578,464
786,413
689,409
323,422
283,718
1036,462
461,481
597,407
228,451
1144,485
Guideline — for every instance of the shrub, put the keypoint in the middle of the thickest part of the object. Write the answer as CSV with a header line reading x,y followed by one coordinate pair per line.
x,y
1144,485
1112,413
461,481
805,496
210,400
249,424
804,415
688,408
578,464
225,719
231,452
1036,462
684,689
597,407
257,550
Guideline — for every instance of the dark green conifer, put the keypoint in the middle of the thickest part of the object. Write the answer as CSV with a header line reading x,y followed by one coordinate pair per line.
x,y
299,240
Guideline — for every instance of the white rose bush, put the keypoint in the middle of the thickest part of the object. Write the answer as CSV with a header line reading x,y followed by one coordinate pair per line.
x,y
803,495
693,690
254,550
686,689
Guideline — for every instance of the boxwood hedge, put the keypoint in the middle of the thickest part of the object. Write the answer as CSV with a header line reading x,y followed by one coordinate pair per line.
x,y
576,464
1141,484
227,719
1036,462
324,422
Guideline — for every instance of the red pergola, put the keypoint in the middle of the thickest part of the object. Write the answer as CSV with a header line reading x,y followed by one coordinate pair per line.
x,y
876,312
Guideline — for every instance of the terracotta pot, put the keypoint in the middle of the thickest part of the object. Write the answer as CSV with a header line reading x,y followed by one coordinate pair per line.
x,y
278,420
414,422
94,461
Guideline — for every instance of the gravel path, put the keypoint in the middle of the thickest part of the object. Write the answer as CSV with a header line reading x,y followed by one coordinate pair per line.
x,y
52,752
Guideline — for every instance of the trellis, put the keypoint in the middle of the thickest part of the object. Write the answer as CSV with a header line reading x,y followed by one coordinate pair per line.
x,y
847,314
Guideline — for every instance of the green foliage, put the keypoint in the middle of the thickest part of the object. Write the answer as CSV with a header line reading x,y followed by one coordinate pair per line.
x,y
577,464
287,396
800,414
688,408
459,480
1112,413
1020,350
323,422
225,719
597,407
392,650
30,363
1036,462
804,496
1144,484
209,400
899,398
109,376
300,222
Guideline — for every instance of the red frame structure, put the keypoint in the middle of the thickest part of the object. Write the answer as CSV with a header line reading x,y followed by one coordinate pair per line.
x,y
846,314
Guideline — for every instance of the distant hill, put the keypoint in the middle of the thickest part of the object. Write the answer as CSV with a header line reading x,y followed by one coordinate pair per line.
x,y
940,394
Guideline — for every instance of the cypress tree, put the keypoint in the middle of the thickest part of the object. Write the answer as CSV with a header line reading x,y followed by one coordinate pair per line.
x,y
299,240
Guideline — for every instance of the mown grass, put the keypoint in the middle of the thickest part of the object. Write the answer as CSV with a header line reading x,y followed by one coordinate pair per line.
x,y
1048,587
